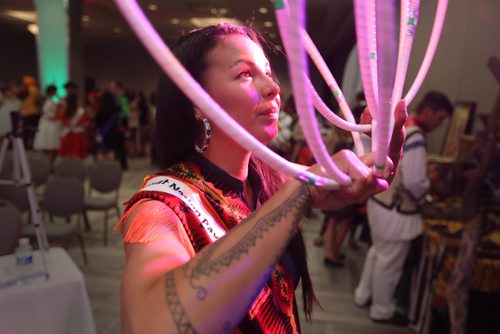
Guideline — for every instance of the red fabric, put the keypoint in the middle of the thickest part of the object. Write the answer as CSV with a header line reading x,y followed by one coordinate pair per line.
x,y
305,156
74,144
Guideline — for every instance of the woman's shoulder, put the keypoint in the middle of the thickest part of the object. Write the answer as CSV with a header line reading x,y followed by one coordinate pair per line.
x,y
143,221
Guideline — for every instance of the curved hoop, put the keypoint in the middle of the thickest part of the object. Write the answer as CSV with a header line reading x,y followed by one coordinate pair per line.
x,y
292,17
376,74
334,88
192,89
437,27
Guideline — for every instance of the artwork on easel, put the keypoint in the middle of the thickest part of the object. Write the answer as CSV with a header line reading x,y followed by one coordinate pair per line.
x,y
461,123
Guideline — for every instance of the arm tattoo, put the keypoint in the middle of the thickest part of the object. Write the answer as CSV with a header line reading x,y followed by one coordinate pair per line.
x,y
206,264
179,315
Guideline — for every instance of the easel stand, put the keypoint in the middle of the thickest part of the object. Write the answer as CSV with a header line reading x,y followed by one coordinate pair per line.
x,y
22,178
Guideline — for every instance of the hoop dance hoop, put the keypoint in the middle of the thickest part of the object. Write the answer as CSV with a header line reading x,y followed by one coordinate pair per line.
x,y
382,75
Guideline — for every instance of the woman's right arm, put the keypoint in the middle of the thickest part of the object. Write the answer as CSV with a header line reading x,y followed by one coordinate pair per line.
x,y
165,290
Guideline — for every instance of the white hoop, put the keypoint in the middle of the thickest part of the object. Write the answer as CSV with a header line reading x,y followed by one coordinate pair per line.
x,y
378,80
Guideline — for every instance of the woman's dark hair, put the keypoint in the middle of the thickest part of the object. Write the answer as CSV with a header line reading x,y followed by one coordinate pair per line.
x,y
71,105
177,130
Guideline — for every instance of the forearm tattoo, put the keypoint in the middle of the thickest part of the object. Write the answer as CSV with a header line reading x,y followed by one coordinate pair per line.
x,y
206,264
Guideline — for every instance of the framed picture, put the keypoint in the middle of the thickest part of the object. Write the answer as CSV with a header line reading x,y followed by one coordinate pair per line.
x,y
461,123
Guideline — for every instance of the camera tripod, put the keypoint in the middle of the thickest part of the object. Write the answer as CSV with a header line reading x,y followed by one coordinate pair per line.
x,y
21,177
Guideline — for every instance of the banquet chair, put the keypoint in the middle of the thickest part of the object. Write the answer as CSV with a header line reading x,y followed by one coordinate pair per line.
x,y
16,195
63,197
40,171
10,227
7,166
71,167
105,178
39,166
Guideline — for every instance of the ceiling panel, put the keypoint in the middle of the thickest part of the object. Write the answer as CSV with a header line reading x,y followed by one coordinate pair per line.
x,y
105,22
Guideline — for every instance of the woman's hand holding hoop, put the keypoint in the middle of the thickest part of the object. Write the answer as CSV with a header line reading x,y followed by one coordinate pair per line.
x,y
398,135
364,183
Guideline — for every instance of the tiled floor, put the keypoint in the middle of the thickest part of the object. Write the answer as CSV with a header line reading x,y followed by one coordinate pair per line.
x,y
334,287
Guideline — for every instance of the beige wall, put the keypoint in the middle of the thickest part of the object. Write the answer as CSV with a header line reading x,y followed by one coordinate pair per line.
x,y
471,34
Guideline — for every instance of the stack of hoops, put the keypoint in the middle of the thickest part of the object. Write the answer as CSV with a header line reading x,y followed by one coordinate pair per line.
x,y
383,63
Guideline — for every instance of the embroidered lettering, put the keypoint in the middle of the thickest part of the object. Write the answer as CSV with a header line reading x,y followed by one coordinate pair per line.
x,y
158,182
175,187
192,201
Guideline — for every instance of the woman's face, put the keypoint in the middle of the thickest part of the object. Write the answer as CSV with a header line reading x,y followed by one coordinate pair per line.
x,y
239,79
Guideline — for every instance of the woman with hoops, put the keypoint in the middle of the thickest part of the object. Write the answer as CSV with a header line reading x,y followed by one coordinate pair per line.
x,y
178,276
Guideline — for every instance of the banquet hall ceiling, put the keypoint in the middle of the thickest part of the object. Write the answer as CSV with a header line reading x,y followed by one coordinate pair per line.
x,y
101,21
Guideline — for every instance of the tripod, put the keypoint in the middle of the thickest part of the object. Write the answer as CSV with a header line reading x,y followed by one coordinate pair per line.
x,y
21,177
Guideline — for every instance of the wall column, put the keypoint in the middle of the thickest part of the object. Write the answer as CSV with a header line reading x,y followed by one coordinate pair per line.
x,y
52,43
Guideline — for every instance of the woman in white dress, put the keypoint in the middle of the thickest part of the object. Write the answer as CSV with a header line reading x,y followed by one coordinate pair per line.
x,y
48,136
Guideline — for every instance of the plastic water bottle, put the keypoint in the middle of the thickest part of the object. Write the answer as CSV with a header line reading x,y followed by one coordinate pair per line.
x,y
24,260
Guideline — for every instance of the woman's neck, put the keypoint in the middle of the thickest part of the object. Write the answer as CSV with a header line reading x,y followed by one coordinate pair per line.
x,y
230,157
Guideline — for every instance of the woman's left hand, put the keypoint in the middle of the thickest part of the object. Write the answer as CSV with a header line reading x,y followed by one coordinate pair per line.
x,y
364,183
398,135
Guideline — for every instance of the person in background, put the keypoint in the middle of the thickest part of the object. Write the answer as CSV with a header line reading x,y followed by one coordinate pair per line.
x,y
152,115
134,138
71,88
144,123
48,136
283,143
74,121
359,106
359,217
394,215
337,224
92,105
213,243
30,110
9,102
116,88
108,136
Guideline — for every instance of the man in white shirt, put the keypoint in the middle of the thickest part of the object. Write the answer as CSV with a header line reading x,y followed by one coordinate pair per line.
x,y
394,215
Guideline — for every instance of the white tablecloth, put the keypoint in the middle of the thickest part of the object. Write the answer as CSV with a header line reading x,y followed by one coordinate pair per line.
x,y
58,305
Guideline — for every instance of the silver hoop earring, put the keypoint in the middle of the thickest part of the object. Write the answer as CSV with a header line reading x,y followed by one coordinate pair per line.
x,y
206,140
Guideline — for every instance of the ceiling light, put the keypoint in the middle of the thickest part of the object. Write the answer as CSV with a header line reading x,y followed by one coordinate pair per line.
x,y
263,10
201,22
268,24
175,21
220,11
28,16
117,30
32,28
152,7
85,18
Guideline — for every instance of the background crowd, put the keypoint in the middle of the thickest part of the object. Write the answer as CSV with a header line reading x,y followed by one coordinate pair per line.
x,y
108,123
